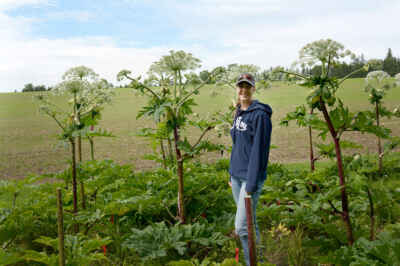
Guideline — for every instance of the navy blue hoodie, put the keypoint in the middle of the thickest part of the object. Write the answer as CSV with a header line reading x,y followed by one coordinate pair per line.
x,y
251,137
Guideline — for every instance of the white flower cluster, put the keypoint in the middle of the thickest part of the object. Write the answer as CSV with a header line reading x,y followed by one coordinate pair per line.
x,y
84,90
378,80
397,77
322,52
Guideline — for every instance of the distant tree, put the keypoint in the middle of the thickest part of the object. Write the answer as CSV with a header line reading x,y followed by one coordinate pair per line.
x,y
205,77
232,72
375,64
39,88
252,69
192,79
390,63
28,87
275,74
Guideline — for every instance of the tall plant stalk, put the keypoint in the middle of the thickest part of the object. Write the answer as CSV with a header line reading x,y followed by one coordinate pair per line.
x,y
60,223
179,165
79,149
371,215
74,175
164,158
74,183
91,142
339,161
170,152
312,159
380,154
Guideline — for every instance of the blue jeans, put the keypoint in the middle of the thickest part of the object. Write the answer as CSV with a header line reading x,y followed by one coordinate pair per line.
x,y
239,192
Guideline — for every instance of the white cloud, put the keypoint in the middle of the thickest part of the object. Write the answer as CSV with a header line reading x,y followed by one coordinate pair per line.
x,y
12,4
219,32
271,33
43,61
77,15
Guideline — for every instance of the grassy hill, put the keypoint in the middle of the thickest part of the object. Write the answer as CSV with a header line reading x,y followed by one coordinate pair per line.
x,y
29,145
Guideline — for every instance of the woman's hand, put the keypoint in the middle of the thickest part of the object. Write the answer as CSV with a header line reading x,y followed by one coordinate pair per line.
x,y
230,183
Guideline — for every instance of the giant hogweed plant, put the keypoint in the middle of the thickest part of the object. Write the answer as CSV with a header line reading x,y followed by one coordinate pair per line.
x,y
337,118
91,91
83,77
85,100
172,103
377,83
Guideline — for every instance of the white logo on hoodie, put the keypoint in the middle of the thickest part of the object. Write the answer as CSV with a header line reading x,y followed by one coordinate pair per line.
x,y
240,125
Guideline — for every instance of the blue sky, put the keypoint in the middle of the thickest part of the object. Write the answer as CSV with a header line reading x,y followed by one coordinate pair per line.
x,y
41,39
126,22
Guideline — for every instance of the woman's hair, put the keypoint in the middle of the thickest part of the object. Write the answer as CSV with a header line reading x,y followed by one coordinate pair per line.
x,y
237,108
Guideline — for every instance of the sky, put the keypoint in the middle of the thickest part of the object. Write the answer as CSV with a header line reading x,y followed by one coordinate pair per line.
x,y
41,39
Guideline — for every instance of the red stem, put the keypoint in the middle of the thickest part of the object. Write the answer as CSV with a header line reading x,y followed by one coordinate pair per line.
x,y
379,139
250,231
312,160
345,204
74,185
179,161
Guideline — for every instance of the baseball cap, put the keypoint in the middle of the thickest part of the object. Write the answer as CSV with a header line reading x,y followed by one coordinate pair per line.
x,y
246,77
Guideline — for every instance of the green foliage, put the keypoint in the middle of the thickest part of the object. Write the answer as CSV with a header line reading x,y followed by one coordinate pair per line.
x,y
312,200
391,144
206,262
328,150
10,258
24,216
297,208
79,250
159,241
383,251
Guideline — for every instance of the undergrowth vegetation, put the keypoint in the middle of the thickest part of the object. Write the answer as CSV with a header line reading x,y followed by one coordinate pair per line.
x,y
130,217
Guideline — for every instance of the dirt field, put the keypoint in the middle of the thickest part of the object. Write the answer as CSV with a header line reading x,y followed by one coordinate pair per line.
x,y
29,144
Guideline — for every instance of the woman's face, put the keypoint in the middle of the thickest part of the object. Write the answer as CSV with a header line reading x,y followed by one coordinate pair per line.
x,y
244,91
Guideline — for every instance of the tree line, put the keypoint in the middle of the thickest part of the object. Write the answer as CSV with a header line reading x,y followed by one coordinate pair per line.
x,y
30,87
389,64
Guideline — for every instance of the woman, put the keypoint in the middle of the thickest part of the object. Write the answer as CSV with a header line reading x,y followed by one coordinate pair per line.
x,y
251,137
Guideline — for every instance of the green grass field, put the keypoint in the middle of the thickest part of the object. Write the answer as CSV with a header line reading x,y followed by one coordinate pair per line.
x,y
29,145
